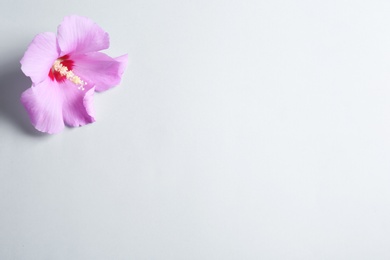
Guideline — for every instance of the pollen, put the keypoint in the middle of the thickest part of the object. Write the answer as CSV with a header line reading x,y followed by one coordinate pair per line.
x,y
65,72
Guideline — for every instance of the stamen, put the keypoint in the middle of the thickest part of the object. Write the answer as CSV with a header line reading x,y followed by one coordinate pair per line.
x,y
64,71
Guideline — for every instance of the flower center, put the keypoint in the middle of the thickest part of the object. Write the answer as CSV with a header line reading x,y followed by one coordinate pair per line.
x,y
62,70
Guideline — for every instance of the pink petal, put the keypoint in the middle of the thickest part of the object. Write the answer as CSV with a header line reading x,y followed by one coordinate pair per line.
x,y
78,105
43,103
50,103
40,56
104,71
78,34
123,63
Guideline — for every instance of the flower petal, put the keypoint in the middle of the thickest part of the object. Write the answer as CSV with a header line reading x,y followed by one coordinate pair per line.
x,y
43,103
78,105
39,57
78,34
50,103
105,72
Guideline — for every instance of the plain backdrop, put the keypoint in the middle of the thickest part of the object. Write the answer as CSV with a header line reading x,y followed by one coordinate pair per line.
x,y
241,130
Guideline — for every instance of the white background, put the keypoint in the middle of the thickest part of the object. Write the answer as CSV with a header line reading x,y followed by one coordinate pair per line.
x,y
241,130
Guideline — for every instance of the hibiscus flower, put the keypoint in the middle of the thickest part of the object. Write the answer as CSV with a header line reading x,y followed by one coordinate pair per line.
x,y
66,69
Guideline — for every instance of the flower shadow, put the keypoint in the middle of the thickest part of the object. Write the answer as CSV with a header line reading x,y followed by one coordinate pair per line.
x,y
12,84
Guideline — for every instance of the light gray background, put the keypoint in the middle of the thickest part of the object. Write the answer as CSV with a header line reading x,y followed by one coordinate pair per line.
x,y
241,130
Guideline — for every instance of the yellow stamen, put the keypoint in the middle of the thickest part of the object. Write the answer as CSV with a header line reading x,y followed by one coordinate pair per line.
x,y
64,71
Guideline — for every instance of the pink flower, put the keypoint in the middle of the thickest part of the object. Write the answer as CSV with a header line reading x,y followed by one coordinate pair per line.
x,y
65,71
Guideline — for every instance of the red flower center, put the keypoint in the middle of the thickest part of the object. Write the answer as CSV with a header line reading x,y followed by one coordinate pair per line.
x,y
65,62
